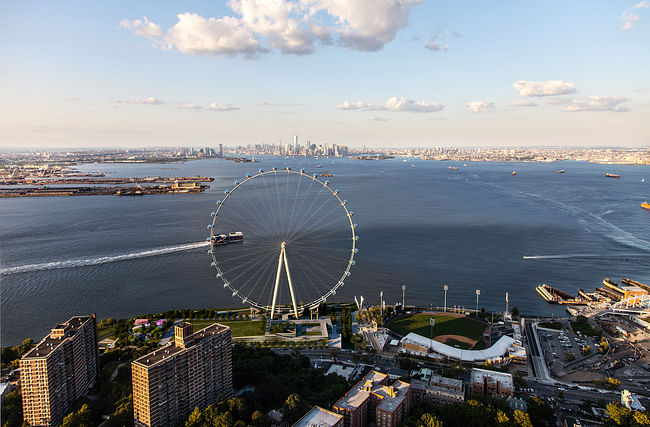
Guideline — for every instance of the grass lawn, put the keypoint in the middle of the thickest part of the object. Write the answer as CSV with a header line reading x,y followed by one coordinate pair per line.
x,y
240,328
458,344
106,333
445,325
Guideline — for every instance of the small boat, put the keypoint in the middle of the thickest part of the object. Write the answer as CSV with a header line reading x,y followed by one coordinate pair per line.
x,y
319,166
453,168
642,179
412,165
612,175
514,172
561,171
645,205
464,165
232,237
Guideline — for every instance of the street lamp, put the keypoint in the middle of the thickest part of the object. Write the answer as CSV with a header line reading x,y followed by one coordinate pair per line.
x,y
446,288
478,292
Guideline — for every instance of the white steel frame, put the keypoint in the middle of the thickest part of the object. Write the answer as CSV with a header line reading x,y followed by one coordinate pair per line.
x,y
282,259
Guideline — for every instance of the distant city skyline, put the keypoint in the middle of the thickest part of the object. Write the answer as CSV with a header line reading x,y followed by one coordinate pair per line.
x,y
386,73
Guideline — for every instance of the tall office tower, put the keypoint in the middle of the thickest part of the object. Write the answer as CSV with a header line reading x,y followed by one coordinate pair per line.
x,y
296,147
193,371
221,150
59,370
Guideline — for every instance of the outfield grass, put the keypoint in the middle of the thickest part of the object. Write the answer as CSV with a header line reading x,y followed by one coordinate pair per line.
x,y
106,333
240,328
445,325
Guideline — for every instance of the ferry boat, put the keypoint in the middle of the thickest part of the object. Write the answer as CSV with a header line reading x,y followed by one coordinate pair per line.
x,y
453,168
222,239
561,171
612,175
645,205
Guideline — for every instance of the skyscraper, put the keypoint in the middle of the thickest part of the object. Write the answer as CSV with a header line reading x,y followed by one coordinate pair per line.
x,y
220,150
59,370
193,371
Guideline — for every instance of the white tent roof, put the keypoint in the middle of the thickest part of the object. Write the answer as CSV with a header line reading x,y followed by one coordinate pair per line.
x,y
498,349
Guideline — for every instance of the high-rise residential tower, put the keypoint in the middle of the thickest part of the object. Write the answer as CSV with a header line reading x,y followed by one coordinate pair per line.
x,y
59,370
193,371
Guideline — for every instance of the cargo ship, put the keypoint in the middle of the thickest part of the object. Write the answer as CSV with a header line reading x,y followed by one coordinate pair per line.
x,y
645,205
612,175
222,239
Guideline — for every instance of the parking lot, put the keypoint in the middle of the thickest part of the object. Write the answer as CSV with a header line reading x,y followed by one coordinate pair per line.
x,y
562,347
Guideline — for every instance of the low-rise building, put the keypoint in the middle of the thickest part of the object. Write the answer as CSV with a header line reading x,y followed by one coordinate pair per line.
x,y
373,399
319,417
491,383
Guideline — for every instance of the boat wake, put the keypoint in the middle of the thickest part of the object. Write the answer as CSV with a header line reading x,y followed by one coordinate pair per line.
x,y
101,260
569,256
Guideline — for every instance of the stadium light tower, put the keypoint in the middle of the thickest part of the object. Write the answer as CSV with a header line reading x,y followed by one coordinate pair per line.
x,y
381,303
506,303
403,295
446,288
478,292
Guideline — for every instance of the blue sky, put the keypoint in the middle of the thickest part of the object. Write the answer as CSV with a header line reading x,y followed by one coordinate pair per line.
x,y
359,72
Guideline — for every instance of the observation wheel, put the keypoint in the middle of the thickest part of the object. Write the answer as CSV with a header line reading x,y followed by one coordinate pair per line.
x,y
282,241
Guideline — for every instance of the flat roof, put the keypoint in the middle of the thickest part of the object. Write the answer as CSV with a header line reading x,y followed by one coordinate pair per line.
x,y
320,417
438,379
357,394
503,377
390,403
171,349
48,344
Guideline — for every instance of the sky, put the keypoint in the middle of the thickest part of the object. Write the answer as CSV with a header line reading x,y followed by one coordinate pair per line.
x,y
380,73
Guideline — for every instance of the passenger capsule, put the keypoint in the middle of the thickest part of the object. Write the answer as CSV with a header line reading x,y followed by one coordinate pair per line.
x,y
356,237
353,262
213,214
213,264
288,168
218,275
326,183
302,171
236,182
248,175
275,169
225,285
209,251
218,202
207,239
226,191
261,171
336,191
354,225
351,213
341,283
333,292
209,226
347,273
344,202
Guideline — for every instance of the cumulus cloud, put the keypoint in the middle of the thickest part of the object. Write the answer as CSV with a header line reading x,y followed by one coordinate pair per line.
x,y
524,103
599,103
544,88
221,107
480,106
142,27
394,104
190,106
292,27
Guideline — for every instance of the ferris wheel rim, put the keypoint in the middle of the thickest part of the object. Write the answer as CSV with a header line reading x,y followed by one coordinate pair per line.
x,y
274,171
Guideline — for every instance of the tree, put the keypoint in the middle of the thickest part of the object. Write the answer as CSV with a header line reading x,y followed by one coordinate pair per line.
x,y
294,408
258,419
194,420
619,414
429,420
522,418
642,418
541,415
